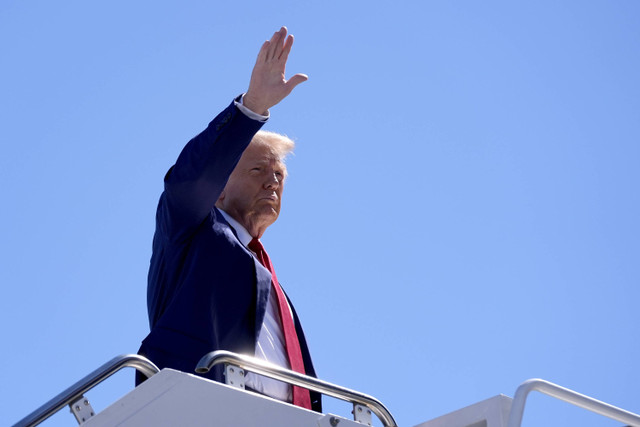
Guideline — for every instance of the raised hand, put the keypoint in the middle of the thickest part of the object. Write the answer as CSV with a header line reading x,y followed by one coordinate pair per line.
x,y
268,84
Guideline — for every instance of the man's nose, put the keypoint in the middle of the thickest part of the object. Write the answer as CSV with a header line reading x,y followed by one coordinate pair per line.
x,y
272,182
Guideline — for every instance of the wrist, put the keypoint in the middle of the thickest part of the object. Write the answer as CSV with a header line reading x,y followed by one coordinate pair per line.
x,y
252,104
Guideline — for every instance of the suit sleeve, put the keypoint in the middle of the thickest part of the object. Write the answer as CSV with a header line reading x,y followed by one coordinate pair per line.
x,y
192,186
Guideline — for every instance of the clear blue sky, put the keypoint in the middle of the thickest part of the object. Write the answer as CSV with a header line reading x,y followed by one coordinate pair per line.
x,y
462,211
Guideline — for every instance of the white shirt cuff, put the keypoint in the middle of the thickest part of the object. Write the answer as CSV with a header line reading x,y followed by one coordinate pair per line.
x,y
247,112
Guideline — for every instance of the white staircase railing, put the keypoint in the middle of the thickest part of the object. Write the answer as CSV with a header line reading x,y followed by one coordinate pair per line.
x,y
570,396
74,395
360,401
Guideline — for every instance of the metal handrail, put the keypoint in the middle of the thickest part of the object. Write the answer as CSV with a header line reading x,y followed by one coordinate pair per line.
x,y
71,394
260,367
570,396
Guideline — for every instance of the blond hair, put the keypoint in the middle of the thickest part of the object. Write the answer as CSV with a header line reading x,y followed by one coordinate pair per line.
x,y
280,145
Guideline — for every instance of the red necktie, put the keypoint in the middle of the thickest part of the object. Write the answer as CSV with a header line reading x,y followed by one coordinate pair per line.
x,y
301,396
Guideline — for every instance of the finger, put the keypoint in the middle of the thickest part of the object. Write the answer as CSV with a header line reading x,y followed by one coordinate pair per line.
x,y
276,43
272,46
283,38
262,54
295,81
288,44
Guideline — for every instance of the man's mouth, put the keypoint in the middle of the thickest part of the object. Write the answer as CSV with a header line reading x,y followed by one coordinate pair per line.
x,y
272,197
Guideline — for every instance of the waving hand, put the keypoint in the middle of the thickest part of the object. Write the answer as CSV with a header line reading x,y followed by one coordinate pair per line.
x,y
268,85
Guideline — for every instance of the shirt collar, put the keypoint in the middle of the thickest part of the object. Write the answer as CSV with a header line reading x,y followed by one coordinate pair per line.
x,y
242,233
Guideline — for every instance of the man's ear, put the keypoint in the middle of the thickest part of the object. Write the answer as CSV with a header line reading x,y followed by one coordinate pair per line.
x,y
220,199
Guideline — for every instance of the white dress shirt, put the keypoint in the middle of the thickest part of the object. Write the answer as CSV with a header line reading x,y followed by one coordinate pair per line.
x,y
271,343
247,112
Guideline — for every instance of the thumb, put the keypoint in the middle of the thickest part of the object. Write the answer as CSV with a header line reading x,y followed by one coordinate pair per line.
x,y
296,80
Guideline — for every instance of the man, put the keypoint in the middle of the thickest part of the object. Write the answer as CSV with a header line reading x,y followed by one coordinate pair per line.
x,y
211,285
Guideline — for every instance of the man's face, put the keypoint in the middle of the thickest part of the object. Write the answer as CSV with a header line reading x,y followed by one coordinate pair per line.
x,y
253,193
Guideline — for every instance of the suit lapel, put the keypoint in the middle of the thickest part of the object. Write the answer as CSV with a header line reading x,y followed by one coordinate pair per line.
x,y
262,276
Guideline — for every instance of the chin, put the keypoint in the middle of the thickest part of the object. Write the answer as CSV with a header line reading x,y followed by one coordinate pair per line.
x,y
273,215
271,210
268,215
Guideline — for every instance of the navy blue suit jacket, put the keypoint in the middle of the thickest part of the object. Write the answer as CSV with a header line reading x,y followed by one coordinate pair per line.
x,y
206,291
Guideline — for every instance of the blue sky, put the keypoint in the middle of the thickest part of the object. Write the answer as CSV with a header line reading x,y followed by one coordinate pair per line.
x,y
461,213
